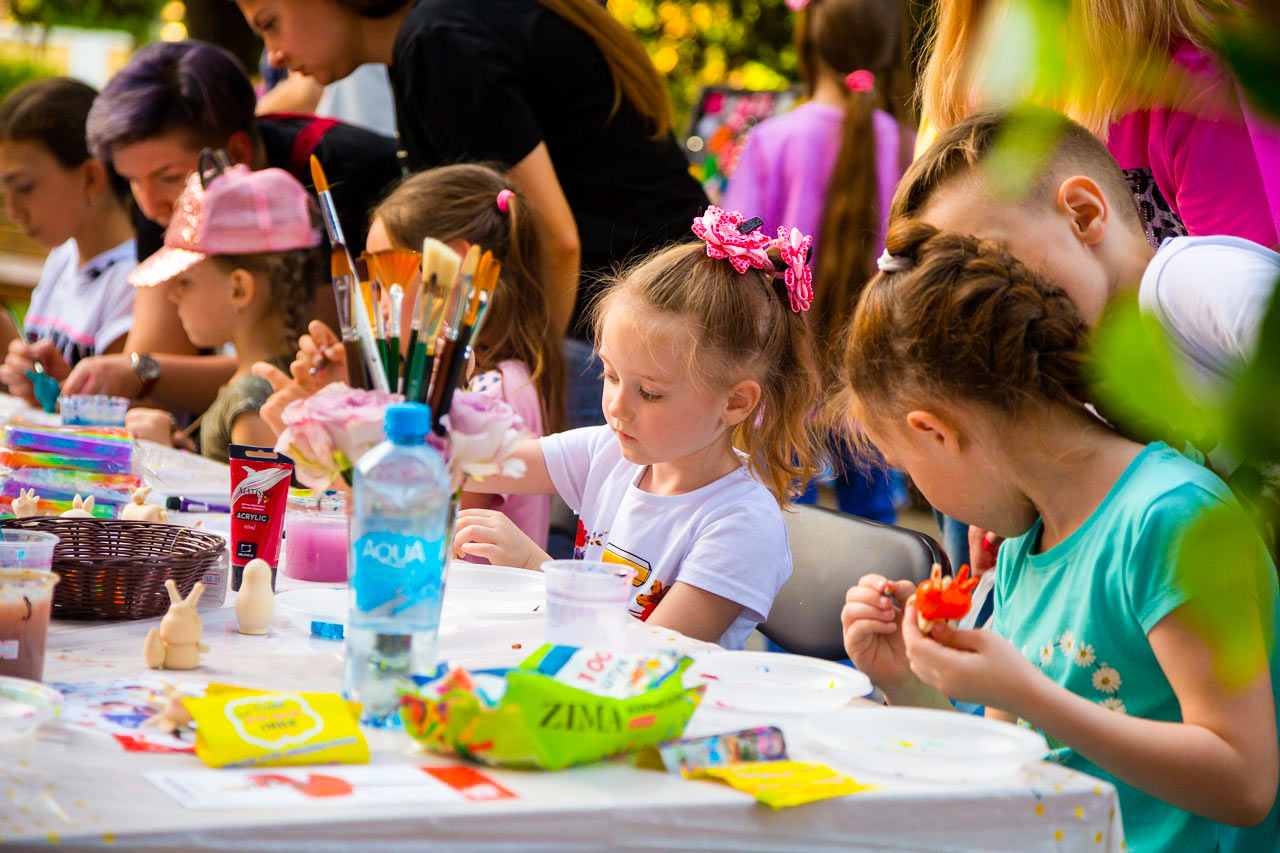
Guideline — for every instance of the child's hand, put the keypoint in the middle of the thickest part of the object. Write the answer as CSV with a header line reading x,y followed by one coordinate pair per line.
x,y
872,630
103,374
490,535
22,357
152,424
283,392
320,351
977,666
983,546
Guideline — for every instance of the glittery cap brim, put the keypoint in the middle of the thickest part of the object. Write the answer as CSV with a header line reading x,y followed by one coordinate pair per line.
x,y
165,264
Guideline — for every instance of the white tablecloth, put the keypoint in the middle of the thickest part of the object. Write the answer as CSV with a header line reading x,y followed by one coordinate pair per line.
x,y
77,786
80,787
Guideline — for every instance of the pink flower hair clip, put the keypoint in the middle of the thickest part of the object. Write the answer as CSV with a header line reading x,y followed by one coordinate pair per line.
x,y
794,249
725,238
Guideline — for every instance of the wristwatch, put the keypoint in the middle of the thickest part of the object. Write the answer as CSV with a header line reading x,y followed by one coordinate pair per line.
x,y
147,369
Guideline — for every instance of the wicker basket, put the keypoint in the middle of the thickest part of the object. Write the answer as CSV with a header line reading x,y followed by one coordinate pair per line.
x,y
116,569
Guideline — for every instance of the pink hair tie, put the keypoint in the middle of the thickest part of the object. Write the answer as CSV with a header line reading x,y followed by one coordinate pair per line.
x,y
794,248
797,5
860,81
504,200
725,240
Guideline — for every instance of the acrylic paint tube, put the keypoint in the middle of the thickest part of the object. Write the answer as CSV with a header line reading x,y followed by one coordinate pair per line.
x,y
259,496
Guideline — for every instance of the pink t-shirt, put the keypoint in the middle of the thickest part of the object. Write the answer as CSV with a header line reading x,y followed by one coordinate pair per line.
x,y
511,382
1216,162
785,166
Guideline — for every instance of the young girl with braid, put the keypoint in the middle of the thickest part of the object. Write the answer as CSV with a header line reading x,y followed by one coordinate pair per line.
x,y
1141,661
241,261
710,382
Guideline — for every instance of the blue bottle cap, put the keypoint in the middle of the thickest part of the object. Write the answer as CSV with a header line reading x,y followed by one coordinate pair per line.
x,y
407,420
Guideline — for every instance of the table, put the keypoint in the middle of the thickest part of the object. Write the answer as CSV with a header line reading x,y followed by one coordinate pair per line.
x,y
79,787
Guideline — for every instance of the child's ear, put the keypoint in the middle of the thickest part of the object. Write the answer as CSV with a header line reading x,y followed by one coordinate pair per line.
x,y
1083,201
239,148
743,399
244,286
934,430
96,183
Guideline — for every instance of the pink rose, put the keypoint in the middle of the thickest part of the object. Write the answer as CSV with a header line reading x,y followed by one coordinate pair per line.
x,y
328,432
483,434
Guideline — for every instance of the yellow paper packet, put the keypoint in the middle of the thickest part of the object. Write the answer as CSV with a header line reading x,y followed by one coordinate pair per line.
x,y
244,727
780,784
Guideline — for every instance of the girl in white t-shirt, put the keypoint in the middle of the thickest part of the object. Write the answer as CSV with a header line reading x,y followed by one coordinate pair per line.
x,y
710,379
75,205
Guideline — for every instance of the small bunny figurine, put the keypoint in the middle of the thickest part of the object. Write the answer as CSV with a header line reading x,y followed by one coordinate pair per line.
x,y
255,600
26,504
80,508
140,510
176,643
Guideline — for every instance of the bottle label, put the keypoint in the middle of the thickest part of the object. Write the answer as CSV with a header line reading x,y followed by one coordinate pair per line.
x,y
396,578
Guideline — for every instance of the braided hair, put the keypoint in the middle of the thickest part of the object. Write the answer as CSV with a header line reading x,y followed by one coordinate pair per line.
x,y
962,319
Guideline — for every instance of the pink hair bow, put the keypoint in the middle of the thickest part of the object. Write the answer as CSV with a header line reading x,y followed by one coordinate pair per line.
x,y
719,229
794,248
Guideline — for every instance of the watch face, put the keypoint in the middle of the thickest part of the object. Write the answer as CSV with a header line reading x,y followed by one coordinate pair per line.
x,y
146,367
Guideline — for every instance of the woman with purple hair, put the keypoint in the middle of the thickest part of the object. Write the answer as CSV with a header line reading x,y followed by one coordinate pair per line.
x,y
150,122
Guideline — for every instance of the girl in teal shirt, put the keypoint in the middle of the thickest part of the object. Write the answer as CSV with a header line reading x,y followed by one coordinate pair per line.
x,y
1139,664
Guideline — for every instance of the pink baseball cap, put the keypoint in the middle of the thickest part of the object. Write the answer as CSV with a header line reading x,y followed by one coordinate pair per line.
x,y
241,212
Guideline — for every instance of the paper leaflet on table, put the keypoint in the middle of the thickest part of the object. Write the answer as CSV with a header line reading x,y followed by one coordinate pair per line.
x,y
119,707
328,786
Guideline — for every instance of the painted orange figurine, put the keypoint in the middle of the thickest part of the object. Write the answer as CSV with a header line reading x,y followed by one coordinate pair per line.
x,y
940,599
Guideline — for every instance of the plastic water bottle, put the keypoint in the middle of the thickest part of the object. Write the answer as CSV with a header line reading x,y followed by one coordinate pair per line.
x,y
399,522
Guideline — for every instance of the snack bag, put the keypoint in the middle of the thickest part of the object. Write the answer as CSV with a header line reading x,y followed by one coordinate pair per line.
x,y
562,706
242,727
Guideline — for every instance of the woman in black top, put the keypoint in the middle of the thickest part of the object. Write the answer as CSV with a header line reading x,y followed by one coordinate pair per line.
x,y
556,91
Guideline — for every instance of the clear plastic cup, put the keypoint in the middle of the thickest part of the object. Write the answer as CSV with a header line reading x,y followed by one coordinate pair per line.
x,y
587,602
93,410
26,601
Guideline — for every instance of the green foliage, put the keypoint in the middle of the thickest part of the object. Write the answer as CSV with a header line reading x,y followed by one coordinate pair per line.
x,y
133,16
697,43
15,70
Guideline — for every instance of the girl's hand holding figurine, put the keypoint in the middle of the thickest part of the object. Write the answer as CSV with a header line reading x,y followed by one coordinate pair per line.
x,y
103,374
490,535
23,357
976,666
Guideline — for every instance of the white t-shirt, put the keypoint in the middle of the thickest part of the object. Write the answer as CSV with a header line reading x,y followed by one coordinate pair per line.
x,y
726,538
83,309
1210,294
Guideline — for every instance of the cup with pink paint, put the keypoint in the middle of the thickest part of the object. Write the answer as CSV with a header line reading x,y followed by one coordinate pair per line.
x,y
315,536
26,601
587,602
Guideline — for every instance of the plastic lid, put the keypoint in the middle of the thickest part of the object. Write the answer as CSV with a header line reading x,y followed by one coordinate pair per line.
x,y
407,420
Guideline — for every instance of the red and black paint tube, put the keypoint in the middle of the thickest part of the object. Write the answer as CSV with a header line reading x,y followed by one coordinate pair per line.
x,y
259,495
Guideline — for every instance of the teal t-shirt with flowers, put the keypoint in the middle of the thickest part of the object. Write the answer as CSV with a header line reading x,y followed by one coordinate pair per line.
x,y
1081,611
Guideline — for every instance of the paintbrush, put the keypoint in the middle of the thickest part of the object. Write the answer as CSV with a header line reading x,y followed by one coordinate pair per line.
x,y
395,270
357,337
440,266
452,360
486,278
459,299
486,294
373,307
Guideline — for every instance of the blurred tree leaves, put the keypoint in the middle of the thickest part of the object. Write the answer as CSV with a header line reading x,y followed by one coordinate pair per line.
x,y
133,16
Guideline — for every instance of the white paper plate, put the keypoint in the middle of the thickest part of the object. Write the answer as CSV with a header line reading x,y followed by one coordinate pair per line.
x,y
493,591
471,592
24,705
775,683
922,743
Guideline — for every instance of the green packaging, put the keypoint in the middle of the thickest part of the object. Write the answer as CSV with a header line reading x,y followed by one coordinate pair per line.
x,y
561,707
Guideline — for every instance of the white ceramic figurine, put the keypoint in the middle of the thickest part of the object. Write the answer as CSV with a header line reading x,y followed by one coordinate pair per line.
x,y
255,600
